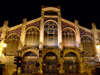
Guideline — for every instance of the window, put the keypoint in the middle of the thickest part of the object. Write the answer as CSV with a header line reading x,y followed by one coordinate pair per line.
x,y
32,37
50,34
87,46
68,38
12,44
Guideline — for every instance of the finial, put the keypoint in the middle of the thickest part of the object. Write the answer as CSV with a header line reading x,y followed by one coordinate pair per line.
x,y
6,23
24,20
93,26
42,6
76,21
59,6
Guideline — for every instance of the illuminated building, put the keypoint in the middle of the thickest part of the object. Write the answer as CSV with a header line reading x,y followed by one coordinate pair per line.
x,y
49,40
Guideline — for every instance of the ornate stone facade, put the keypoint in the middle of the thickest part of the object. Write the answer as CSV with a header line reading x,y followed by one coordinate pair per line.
x,y
52,40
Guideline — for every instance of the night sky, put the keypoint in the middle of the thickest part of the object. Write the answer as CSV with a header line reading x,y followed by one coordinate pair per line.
x,y
85,11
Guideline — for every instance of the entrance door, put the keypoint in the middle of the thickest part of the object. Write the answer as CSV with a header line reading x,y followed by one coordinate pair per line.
x,y
70,67
70,63
29,63
49,63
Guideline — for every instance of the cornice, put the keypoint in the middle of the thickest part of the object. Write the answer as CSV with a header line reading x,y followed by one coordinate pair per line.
x,y
69,22
86,29
28,22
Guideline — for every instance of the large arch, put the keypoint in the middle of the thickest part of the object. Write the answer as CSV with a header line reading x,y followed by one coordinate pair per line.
x,y
32,36
50,59
78,56
12,41
47,50
88,45
68,37
50,33
51,8
29,60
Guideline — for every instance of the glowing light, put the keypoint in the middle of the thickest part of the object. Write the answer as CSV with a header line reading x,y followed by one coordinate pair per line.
x,y
44,64
98,46
4,45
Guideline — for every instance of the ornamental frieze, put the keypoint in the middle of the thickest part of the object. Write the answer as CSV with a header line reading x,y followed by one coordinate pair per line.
x,y
48,18
17,31
29,47
64,25
83,32
37,24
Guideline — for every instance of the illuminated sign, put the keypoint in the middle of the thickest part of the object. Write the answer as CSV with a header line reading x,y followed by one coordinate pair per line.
x,y
50,57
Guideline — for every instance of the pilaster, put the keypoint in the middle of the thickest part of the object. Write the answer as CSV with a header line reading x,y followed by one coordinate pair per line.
x,y
3,35
41,70
59,31
95,34
78,40
4,29
22,39
61,71
42,30
82,64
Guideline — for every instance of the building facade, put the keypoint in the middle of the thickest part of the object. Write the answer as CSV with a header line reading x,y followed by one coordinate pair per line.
x,y
49,40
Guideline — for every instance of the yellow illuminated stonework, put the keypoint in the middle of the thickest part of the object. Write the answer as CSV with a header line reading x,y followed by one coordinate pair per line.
x,y
58,45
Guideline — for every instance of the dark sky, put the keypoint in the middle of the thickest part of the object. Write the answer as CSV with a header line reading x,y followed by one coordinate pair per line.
x,y
85,11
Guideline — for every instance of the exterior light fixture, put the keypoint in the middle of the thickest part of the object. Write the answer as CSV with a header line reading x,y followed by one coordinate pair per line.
x,y
98,46
4,45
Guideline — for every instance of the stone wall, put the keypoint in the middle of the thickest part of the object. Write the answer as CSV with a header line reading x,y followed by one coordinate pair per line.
x,y
10,67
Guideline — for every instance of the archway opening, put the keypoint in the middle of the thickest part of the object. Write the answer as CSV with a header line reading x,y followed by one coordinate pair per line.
x,y
50,61
29,62
71,63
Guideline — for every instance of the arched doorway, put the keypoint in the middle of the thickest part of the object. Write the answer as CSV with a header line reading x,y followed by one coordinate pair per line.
x,y
50,61
71,63
29,61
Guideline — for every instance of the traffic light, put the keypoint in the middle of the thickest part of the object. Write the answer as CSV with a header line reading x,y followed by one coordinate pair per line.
x,y
18,60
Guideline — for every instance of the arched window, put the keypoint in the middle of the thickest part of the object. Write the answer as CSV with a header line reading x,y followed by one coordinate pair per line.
x,y
12,44
68,38
50,34
32,37
87,46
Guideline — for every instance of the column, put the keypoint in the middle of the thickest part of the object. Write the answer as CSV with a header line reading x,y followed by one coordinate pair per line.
x,y
78,40
61,71
82,65
22,39
59,31
40,61
3,35
41,31
95,34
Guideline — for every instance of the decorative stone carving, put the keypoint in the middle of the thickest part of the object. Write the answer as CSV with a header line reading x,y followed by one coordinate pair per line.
x,y
94,26
81,47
